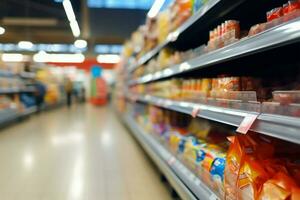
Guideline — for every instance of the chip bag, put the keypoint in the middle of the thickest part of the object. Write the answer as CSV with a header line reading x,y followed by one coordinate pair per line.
x,y
278,188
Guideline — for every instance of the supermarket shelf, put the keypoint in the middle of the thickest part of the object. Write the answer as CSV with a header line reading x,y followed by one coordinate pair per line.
x,y
6,73
8,115
27,75
9,90
174,35
275,37
29,89
278,126
16,90
187,185
227,116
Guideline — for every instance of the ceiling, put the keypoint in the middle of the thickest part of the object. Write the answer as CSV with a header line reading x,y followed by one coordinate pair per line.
x,y
45,21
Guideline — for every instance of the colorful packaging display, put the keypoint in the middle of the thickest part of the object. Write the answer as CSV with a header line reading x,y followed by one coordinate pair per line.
x,y
224,34
254,170
251,167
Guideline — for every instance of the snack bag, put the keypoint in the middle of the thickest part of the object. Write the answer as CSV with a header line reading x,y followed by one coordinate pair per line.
x,y
217,173
232,168
278,188
200,128
295,194
251,179
211,153
175,138
190,155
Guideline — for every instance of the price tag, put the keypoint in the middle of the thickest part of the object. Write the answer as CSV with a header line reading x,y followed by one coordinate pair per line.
x,y
195,112
171,161
173,36
247,123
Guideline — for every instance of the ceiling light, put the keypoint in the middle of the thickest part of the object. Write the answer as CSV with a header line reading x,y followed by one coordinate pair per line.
x,y
2,30
12,57
75,28
80,44
108,58
69,10
25,45
58,58
71,17
155,8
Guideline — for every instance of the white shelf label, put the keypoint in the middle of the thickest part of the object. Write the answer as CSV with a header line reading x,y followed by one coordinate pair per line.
x,y
171,161
195,112
247,123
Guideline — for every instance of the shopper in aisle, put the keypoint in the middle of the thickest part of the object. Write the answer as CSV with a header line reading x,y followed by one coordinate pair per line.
x,y
69,91
40,92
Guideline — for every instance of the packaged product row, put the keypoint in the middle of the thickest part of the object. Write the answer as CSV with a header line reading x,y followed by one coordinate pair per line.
x,y
11,83
230,32
6,102
251,166
157,28
166,58
244,93
223,35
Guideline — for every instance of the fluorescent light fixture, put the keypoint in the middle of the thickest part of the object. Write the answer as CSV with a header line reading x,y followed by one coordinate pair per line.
x,y
12,57
2,30
25,45
80,44
71,17
108,58
155,8
75,28
58,58
69,10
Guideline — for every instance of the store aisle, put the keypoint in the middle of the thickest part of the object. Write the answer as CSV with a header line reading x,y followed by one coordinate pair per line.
x,y
78,154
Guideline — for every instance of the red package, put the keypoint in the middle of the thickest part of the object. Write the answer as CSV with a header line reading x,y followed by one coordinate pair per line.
x,y
293,5
285,9
274,14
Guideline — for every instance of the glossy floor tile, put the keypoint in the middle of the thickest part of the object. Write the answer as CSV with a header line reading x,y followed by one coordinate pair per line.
x,y
83,153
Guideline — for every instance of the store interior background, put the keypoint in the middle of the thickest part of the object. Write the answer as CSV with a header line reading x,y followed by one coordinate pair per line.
x,y
32,30
149,99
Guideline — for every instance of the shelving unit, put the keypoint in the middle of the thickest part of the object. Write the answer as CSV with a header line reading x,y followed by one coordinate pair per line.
x,y
233,60
189,24
283,127
8,115
273,38
182,179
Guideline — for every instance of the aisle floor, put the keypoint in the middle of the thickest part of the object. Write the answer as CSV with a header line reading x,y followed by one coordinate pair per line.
x,y
83,153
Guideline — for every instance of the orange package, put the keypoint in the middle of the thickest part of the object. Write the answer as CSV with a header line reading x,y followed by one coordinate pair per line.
x,y
295,194
232,168
252,176
243,169
278,188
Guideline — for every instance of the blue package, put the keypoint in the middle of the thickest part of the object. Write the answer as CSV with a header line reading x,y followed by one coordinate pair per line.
x,y
197,5
217,168
181,145
200,155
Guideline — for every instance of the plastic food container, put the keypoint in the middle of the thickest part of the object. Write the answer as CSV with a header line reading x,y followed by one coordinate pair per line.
x,y
287,97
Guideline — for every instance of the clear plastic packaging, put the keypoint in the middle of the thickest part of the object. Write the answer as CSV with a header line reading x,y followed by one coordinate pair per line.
x,y
287,97
292,110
